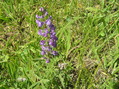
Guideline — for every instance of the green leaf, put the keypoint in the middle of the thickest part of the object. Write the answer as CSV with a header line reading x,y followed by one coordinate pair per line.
x,y
92,9
102,33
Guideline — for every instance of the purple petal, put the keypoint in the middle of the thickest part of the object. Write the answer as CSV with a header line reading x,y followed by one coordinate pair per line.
x,y
46,13
47,61
45,48
54,53
52,27
40,32
45,34
50,17
46,29
53,37
39,23
42,9
43,52
48,21
52,43
52,33
39,17
42,42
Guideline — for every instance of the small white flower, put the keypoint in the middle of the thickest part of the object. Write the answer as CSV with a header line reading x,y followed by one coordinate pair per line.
x,y
20,79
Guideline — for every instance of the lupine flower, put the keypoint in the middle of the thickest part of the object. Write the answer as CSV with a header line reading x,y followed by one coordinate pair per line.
x,y
52,32
47,61
54,53
39,17
43,52
39,23
42,9
46,13
46,48
52,27
48,21
42,42
42,16
49,35
43,32
52,43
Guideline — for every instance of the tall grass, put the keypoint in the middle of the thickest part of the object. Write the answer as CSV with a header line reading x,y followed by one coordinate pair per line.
x,y
88,45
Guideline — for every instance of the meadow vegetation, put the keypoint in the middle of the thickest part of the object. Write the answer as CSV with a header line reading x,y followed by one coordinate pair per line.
x,y
88,45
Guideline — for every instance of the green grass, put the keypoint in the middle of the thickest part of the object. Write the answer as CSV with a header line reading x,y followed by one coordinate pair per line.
x,y
88,42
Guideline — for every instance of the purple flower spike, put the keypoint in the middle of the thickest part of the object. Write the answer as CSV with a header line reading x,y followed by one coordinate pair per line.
x,y
49,35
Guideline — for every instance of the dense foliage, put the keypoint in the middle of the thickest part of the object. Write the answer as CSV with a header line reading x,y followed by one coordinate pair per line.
x,y
87,45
